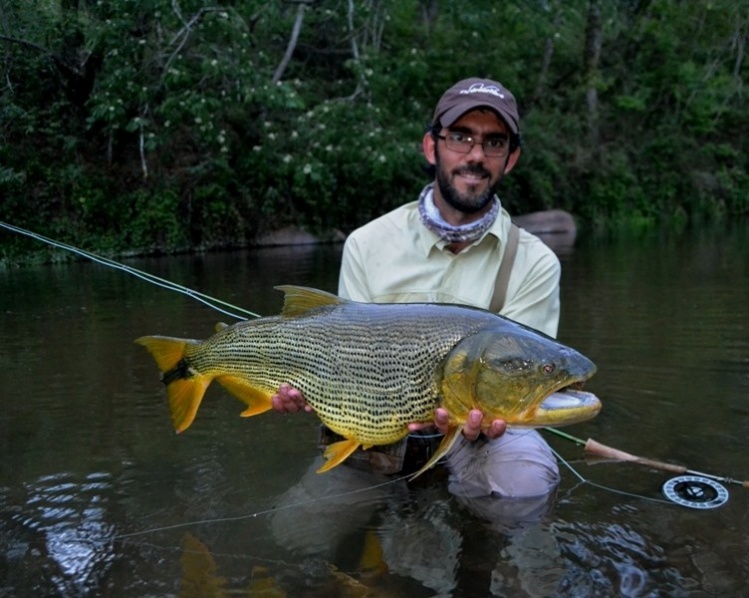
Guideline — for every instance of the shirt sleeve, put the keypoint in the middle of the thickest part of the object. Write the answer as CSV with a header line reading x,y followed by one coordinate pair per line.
x,y
536,302
352,281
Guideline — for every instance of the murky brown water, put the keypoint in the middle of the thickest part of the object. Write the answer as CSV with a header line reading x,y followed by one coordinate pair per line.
x,y
98,497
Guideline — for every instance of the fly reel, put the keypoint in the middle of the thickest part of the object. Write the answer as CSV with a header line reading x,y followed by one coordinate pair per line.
x,y
695,492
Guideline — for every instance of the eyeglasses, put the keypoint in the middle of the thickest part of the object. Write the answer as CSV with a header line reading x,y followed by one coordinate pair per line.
x,y
494,146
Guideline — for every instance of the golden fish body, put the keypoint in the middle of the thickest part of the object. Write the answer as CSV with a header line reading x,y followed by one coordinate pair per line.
x,y
368,370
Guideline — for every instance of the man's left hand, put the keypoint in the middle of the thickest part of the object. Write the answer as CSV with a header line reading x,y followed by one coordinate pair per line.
x,y
472,428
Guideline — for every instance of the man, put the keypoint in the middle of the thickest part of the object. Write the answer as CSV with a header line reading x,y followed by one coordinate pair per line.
x,y
447,247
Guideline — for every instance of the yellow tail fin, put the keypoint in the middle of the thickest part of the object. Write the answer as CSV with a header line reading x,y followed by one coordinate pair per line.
x,y
185,387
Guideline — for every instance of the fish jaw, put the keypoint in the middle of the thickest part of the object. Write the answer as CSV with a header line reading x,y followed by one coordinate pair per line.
x,y
508,373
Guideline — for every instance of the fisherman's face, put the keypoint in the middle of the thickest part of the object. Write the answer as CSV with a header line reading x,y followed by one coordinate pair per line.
x,y
466,182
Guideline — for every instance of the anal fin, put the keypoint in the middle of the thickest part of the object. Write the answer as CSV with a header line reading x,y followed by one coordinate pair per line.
x,y
256,399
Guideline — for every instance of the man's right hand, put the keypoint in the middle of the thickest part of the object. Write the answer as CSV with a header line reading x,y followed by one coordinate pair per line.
x,y
289,400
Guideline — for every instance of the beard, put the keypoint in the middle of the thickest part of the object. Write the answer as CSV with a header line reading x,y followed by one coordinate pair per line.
x,y
468,202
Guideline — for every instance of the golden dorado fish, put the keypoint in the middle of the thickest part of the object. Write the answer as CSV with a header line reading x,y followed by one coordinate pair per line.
x,y
369,369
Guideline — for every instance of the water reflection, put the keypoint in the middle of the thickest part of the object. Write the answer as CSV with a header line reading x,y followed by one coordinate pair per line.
x,y
99,497
59,534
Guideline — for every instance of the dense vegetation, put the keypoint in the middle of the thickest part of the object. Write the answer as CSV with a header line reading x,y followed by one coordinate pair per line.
x,y
184,124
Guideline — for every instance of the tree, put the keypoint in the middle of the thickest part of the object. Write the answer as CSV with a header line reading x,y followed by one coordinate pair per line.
x,y
183,124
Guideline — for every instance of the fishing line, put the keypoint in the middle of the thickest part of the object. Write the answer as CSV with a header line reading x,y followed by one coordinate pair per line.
x,y
605,488
311,501
145,276
259,513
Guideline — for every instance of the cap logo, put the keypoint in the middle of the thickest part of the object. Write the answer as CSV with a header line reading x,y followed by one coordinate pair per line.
x,y
481,88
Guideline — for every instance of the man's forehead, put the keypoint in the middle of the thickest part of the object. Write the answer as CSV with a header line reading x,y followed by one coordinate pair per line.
x,y
485,118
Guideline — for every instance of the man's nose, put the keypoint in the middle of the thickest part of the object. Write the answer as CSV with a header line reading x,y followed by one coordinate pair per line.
x,y
476,154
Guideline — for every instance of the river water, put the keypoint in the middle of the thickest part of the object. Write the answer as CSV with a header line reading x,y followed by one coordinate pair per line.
x,y
98,496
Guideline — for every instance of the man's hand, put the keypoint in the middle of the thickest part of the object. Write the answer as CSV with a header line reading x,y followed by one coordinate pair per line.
x,y
472,429
289,400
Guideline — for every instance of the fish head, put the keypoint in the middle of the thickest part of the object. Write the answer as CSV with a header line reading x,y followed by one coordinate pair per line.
x,y
509,372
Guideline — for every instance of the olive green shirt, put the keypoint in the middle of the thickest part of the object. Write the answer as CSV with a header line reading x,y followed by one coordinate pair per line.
x,y
396,259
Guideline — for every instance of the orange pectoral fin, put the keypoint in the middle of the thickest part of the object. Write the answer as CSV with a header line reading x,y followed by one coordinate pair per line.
x,y
257,400
447,443
337,453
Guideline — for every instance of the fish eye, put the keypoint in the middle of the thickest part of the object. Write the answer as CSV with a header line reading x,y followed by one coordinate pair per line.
x,y
548,368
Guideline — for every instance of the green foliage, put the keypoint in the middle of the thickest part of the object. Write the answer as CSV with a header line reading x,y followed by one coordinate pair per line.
x,y
153,125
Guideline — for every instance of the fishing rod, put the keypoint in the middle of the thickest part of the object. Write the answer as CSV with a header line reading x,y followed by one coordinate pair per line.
x,y
601,450
161,282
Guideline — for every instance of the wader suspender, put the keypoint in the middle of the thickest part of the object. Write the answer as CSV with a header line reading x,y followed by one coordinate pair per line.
x,y
505,268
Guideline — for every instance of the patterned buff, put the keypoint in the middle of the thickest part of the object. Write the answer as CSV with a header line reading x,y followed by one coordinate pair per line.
x,y
467,233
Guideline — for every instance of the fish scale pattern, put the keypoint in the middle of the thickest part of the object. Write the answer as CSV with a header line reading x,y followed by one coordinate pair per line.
x,y
367,370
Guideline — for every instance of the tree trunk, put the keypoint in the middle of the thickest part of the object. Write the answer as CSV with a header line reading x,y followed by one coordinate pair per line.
x,y
429,13
591,62
292,43
547,56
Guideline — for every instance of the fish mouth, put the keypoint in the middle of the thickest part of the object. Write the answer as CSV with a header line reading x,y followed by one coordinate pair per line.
x,y
568,405
572,387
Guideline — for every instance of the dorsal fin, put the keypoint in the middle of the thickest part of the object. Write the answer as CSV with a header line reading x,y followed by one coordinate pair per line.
x,y
300,300
220,326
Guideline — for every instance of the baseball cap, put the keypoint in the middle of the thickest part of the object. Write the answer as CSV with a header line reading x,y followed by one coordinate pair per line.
x,y
477,93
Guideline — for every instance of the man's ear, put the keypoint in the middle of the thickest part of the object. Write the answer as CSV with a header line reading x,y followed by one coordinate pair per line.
x,y
512,159
428,146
